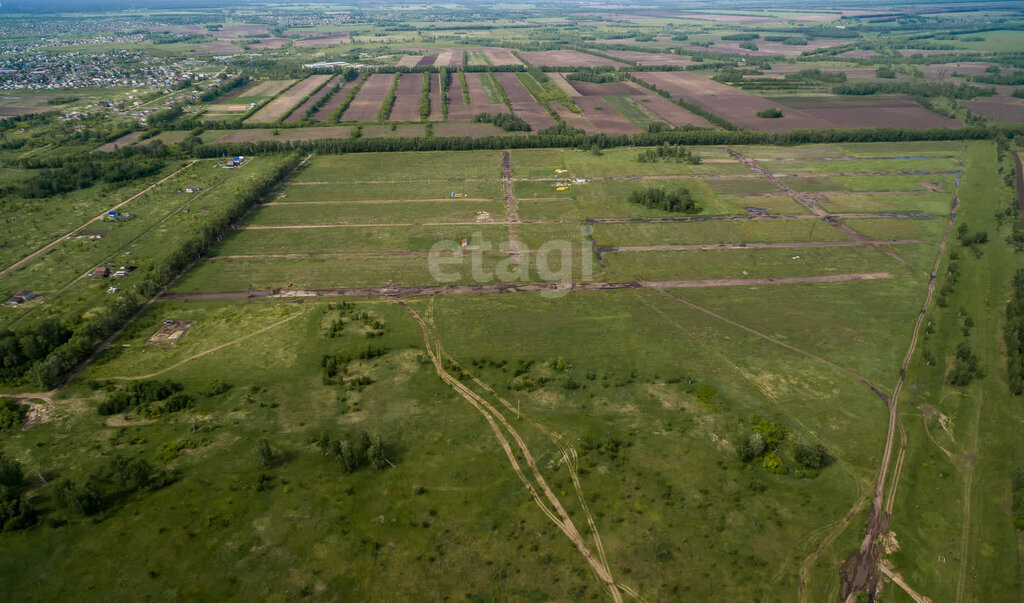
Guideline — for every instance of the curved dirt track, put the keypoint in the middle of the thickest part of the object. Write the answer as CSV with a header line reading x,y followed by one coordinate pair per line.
x,y
555,512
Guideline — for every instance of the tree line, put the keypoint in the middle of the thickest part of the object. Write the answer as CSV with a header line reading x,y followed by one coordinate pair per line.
x,y
49,371
573,138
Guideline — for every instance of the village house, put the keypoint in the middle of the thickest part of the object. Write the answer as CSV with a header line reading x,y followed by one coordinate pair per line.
x,y
21,297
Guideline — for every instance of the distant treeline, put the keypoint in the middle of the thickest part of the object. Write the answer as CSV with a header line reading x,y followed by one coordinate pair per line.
x,y
572,138
948,89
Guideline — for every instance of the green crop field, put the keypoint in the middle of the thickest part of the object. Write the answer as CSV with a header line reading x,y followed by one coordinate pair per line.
x,y
439,360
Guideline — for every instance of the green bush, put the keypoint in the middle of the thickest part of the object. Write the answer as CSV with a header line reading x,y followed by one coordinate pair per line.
x,y
679,201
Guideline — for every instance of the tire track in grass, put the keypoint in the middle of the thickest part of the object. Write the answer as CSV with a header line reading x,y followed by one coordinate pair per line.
x,y
861,570
569,455
555,512
209,351
861,483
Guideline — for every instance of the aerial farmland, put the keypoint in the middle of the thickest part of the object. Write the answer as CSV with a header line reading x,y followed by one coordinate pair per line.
x,y
571,302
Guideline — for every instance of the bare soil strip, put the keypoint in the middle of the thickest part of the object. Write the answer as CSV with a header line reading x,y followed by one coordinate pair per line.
x,y
523,103
281,106
407,98
299,113
397,291
325,112
52,244
510,206
367,102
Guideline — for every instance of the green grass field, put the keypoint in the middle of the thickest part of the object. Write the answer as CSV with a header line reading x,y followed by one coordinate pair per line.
x,y
627,407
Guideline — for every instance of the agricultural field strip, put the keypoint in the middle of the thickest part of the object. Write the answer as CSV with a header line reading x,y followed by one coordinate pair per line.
x,y
103,215
376,201
573,221
615,178
283,105
619,249
811,203
394,292
713,246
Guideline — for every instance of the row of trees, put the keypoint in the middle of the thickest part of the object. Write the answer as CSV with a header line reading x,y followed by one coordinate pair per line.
x,y
143,396
226,86
506,121
669,153
389,101
1013,334
149,279
926,89
568,137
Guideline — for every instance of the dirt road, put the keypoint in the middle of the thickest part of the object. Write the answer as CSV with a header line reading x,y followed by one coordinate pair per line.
x,y
395,292
511,213
538,487
860,572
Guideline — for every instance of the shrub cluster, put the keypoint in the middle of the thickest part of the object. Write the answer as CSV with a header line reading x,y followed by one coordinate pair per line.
x,y
680,200
668,153
142,396
506,121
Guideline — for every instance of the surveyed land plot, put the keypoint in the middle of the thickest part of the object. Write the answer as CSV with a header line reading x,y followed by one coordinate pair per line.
x,y
393,191
160,217
300,112
284,214
407,98
523,103
751,263
403,166
703,233
863,166
281,106
367,102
